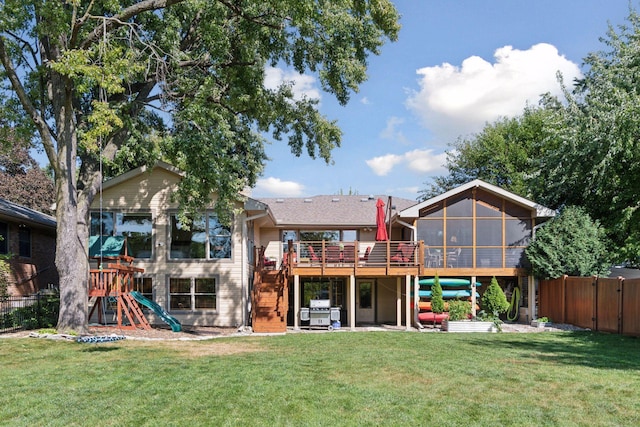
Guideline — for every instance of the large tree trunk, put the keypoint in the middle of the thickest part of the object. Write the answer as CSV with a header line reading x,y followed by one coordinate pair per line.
x,y
72,232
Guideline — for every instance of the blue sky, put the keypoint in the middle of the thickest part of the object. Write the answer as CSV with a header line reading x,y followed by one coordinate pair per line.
x,y
456,66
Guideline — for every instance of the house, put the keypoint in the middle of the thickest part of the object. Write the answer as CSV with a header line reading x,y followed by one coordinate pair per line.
x,y
28,238
279,254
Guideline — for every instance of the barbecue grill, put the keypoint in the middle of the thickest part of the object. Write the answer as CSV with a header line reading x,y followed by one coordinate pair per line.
x,y
320,313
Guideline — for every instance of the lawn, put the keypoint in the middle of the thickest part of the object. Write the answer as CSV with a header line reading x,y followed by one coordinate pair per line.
x,y
342,378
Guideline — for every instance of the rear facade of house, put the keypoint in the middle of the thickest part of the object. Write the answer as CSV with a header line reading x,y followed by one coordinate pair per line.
x,y
318,248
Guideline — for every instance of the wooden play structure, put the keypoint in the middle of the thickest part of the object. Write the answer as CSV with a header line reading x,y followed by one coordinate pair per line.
x,y
115,284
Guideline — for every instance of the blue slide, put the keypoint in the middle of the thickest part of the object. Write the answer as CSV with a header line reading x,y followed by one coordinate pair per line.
x,y
169,319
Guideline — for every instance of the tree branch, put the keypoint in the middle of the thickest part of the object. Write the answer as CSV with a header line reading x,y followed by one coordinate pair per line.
x,y
41,124
117,20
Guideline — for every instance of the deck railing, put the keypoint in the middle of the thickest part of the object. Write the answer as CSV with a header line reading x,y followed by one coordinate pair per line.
x,y
354,253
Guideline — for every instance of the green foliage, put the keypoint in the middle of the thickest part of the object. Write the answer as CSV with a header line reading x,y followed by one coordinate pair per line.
x,y
596,165
459,310
572,244
494,301
437,302
5,270
43,314
501,154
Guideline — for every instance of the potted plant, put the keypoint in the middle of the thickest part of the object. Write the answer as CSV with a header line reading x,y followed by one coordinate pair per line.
x,y
541,322
460,319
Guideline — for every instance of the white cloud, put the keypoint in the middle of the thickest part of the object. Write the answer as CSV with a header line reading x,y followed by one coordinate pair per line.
x,y
271,187
454,101
303,85
365,101
382,165
418,161
391,131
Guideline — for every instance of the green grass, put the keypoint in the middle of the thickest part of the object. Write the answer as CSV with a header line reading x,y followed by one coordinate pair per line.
x,y
364,378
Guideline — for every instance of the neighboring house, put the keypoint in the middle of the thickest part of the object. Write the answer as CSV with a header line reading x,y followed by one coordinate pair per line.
x,y
28,238
204,275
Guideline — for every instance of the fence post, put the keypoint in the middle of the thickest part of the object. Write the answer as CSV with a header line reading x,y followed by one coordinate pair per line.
x,y
564,298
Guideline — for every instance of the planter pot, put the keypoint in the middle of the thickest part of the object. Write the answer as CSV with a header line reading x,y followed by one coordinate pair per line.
x,y
537,324
468,326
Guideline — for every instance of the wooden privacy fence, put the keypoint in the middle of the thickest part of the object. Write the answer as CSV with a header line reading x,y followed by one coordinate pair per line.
x,y
600,304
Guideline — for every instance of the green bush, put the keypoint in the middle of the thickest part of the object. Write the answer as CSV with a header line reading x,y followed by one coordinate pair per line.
x,y
43,314
571,243
494,302
459,310
437,302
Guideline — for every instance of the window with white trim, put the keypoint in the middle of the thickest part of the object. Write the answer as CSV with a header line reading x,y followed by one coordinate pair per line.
x,y
204,238
192,294
135,226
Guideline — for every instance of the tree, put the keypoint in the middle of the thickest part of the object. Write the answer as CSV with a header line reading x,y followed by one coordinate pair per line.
x,y
502,154
494,302
572,244
437,302
22,181
179,78
597,162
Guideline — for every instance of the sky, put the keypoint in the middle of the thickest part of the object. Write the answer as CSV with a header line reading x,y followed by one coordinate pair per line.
x,y
456,66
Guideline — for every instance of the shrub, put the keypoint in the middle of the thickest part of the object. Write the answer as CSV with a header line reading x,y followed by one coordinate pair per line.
x,y
459,310
43,314
494,302
571,243
437,302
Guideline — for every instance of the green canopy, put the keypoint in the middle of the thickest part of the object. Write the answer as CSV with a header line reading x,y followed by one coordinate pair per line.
x,y
112,246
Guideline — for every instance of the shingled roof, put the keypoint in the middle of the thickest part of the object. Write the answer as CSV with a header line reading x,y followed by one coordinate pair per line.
x,y
340,211
15,212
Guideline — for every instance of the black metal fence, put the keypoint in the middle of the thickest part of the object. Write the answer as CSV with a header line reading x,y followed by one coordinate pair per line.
x,y
31,312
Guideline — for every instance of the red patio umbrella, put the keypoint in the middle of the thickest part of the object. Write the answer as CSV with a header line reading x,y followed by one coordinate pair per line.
x,y
381,233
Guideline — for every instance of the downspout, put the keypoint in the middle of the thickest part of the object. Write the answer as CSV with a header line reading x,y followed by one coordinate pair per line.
x,y
245,261
414,233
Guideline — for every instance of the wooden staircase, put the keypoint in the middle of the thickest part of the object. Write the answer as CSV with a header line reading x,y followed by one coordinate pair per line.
x,y
269,301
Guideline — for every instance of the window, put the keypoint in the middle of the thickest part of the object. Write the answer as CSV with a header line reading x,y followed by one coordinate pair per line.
x,y
144,285
332,290
204,238
136,227
317,236
24,241
4,238
190,294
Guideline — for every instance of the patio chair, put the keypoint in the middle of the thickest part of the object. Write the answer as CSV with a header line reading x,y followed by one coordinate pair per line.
x,y
365,257
404,253
312,254
432,258
333,254
453,257
349,254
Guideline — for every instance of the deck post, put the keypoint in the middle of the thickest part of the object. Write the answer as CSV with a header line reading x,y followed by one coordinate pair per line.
x,y
296,302
473,296
407,290
398,302
352,302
